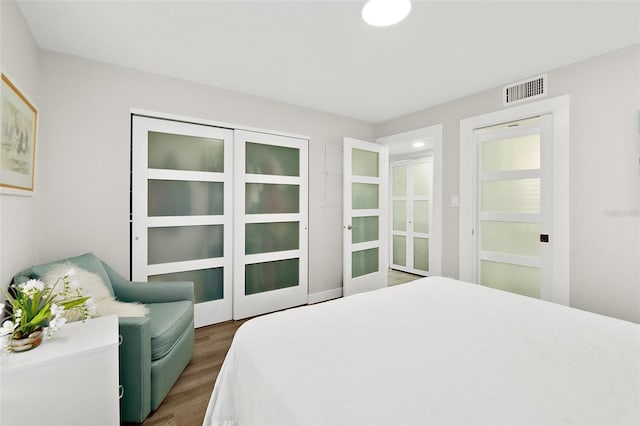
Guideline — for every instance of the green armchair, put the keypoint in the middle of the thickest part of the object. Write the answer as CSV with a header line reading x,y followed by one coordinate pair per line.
x,y
154,349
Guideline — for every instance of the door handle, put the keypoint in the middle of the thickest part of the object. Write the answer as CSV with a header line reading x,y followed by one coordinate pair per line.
x,y
544,238
349,227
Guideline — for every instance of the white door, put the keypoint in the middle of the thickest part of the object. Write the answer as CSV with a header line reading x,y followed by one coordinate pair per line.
x,y
514,207
271,219
182,210
411,199
365,230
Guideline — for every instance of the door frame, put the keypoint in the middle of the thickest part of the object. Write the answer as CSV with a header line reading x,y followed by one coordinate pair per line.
x,y
558,107
433,135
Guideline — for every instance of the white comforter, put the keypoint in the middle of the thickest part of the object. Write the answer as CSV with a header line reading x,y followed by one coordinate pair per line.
x,y
434,351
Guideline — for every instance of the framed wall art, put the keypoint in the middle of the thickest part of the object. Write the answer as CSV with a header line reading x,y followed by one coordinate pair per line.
x,y
18,140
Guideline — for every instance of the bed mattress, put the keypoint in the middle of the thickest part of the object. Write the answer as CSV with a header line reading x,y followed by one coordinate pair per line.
x,y
433,351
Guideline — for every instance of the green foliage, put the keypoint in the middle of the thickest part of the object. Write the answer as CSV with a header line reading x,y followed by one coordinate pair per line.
x,y
35,304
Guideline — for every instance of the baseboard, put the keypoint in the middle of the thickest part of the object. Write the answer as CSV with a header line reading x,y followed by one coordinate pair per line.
x,y
324,296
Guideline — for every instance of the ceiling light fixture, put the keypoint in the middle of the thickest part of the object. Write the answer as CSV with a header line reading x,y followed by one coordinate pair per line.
x,y
418,144
382,13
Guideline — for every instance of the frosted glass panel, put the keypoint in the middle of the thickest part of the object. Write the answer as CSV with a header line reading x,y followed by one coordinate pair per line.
x,y
364,163
364,196
207,283
185,198
181,152
399,215
421,216
268,276
364,229
514,278
271,198
364,262
422,179
269,237
272,160
179,243
520,153
511,237
421,253
515,196
400,180
400,250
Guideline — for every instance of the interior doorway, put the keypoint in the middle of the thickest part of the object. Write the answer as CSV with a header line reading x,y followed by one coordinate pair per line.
x,y
415,201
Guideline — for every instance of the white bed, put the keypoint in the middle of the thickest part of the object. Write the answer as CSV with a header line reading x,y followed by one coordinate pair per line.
x,y
434,351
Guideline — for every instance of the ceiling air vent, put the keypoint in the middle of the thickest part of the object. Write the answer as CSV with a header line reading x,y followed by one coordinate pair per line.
x,y
525,90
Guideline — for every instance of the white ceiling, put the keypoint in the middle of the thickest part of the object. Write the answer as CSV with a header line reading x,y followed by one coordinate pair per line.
x,y
320,54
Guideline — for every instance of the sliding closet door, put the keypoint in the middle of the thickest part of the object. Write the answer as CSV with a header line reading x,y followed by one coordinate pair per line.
x,y
271,202
182,210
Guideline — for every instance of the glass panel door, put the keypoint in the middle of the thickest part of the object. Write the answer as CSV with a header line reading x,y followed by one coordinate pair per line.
x,y
181,210
365,245
271,187
411,197
513,208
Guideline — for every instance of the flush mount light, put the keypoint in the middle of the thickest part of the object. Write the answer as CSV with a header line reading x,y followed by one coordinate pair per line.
x,y
418,144
382,13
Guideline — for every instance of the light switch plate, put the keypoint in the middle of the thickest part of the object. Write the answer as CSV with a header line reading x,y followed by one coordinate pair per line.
x,y
454,201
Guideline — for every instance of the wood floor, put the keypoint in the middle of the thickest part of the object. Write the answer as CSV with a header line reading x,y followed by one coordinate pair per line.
x,y
187,401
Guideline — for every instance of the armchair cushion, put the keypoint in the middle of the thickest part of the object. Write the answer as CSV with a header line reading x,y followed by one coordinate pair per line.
x,y
168,321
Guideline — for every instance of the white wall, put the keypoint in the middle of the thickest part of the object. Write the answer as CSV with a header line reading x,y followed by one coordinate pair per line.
x,y
604,176
19,58
84,193
605,182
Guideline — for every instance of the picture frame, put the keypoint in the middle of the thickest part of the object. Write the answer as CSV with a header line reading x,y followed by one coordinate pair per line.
x,y
17,140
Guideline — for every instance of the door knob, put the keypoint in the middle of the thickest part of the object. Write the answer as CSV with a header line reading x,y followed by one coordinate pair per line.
x,y
349,227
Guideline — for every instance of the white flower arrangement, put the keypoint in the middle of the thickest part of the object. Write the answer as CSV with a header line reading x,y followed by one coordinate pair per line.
x,y
35,305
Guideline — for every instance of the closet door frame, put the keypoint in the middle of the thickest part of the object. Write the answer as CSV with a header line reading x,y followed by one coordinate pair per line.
x,y
272,300
409,198
208,312
559,108
226,313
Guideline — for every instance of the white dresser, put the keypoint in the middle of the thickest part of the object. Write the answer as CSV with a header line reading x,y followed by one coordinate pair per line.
x,y
69,380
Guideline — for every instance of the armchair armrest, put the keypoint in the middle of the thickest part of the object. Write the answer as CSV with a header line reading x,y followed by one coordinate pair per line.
x,y
135,368
158,292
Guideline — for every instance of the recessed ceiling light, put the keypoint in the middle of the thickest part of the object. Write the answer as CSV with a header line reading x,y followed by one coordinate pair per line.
x,y
382,13
418,144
